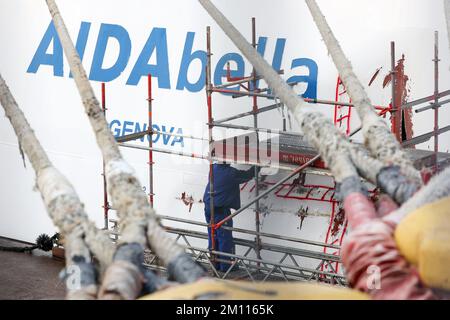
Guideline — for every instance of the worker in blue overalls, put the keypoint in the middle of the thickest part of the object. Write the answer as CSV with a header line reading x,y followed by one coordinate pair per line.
x,y
226,196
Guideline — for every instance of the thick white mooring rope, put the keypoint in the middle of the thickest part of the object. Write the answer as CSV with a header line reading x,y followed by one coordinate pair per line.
x,y
60,198
378,138
138,222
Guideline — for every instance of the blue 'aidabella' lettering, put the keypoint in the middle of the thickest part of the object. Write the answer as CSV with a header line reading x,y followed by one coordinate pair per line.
x,y
157,41
106,32
41,57
311,79
157,44
221,70
83,34
186,60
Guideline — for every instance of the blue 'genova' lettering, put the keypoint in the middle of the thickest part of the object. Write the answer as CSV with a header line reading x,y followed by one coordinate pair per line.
x,y
129,127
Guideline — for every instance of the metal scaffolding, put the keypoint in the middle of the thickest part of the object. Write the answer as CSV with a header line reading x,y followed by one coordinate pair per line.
x,y
249,86
440,159
324,254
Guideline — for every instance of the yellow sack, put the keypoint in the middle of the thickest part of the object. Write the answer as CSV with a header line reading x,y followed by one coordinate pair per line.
x,y
423,237
239,290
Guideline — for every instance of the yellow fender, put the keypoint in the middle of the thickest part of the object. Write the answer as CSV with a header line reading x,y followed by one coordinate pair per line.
x,y
239,290
423,238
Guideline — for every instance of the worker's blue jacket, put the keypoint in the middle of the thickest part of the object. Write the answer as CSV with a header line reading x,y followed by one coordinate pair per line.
x,y
226,186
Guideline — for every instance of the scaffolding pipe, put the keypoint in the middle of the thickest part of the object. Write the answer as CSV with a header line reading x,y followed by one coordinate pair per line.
x,y
140,134
432,105
262,262
436,100
275,131
233,83
249,113
245,231
166,151
266,246
251,232
237,93
378,138
209,90
396,112
338,103
424,137
150,140
281,274
105,189
241,81
255,125
277,105
206,157
425,99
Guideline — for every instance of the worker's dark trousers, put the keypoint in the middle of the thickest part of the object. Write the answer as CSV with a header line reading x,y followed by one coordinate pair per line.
x,y
223,238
